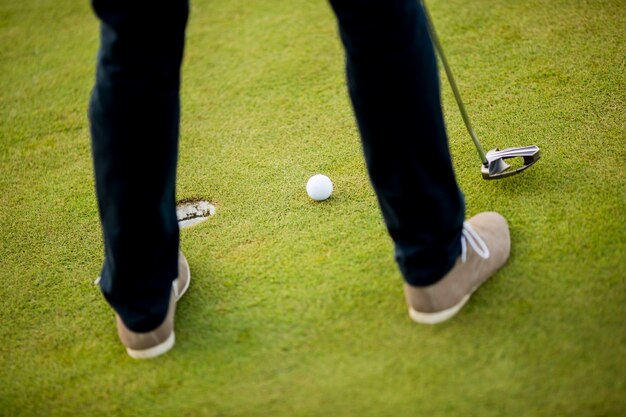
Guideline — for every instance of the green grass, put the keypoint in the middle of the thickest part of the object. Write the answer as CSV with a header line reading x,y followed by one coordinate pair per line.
x,y
296,308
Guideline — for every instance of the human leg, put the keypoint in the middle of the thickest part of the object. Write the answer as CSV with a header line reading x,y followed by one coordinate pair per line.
x,y
134,116
394,87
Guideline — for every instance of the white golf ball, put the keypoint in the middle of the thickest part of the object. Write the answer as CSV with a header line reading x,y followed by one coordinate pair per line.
x,y
319,187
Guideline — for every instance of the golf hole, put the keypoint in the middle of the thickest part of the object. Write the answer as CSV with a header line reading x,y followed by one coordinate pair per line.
x,y
190,213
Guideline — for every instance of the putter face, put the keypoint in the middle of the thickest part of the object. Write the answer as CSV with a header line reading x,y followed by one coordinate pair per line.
x,y
497,168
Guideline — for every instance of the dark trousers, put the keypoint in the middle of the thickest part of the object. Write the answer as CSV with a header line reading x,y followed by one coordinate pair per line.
x,y
134,113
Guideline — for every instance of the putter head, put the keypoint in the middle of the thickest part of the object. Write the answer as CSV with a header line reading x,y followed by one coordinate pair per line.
x,y
497,168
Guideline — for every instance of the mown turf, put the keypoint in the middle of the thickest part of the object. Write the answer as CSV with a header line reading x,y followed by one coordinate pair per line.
x,y
296,307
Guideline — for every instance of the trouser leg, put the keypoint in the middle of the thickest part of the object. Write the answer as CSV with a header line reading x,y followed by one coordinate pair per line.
x,y
394,87
134,115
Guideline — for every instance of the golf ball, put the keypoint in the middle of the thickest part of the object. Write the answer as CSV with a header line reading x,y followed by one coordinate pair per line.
x,y
319,187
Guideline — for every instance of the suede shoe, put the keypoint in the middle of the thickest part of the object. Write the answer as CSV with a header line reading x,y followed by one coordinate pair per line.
x,y
160,340
485,248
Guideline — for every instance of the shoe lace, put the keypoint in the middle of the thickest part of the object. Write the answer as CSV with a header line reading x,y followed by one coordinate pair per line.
x,y
470,236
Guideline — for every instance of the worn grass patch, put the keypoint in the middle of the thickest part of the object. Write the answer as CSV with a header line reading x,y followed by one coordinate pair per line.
x,y
296,307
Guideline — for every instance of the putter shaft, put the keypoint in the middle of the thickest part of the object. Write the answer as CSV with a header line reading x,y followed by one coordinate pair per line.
x,y
455,90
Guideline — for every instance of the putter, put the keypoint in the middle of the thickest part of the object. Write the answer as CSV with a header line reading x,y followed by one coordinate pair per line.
x,y
493,165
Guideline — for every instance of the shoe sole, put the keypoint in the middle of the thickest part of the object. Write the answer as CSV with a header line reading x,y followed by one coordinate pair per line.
x,y
439,316
154,351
